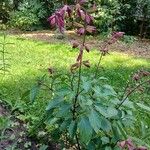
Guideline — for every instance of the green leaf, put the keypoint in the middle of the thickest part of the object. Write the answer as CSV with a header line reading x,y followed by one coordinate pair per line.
x,y
72,129
54,102
146,108
105,140
122,131
105,124
85,102
128,104
112,112
108,148
63,91
43,147
108,90
116,136
34,92
97,91
91,146
143,129
87,86
102,78
65,124
95,120
102,110
52,121
64,110
85,130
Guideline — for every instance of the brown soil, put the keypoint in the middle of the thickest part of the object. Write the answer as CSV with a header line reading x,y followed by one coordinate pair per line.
x,y
139,48
14,136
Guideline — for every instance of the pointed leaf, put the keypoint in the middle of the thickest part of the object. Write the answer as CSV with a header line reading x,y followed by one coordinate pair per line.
x,y
105,140
72,129
54,102
95,120
105,124
85,130
112,112
34,92
102,110
64,110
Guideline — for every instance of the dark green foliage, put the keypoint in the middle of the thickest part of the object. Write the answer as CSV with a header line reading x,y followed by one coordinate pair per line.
x,y
5,8
33,14
132,17
28,15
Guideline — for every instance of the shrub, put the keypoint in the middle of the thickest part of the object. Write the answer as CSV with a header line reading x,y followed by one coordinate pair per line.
x,y
28,16
85,112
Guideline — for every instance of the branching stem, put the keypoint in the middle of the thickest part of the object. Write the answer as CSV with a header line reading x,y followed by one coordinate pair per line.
x,y
98,65
132,91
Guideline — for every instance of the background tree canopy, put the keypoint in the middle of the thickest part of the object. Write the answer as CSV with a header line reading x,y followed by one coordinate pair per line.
x,y
129,16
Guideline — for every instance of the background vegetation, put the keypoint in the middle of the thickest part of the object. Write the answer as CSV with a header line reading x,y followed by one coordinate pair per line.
x,y
132,17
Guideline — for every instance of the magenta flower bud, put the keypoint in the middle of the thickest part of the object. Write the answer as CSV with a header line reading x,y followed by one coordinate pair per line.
x,y
89,19
82,1
52,20
91,29
75,44
79,58
141,148
67,9
81,31
87,48
81,14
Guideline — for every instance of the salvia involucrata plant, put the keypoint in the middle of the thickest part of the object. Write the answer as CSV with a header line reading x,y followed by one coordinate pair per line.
x,y
85,112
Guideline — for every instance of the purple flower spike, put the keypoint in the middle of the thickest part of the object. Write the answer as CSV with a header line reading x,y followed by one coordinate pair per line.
x,y
89,19
81,31
67,9
52,20
81,14
82,1
57,19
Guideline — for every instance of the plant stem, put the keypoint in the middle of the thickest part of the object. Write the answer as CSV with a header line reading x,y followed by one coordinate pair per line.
x,y
78,88
132,91
127,85
79,77
98,65
78,144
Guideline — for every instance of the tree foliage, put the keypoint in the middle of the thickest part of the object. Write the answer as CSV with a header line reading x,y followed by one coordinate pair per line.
x,y
129,16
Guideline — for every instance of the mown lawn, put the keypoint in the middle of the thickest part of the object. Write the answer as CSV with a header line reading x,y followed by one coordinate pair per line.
x,y
30,59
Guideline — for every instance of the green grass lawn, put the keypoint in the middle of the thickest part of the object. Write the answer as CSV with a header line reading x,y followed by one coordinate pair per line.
x,y
30,59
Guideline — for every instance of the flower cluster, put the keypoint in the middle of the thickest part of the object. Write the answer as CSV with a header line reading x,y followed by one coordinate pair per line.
x,y
80,55
114,38
140,74
84,25
130,146
57,19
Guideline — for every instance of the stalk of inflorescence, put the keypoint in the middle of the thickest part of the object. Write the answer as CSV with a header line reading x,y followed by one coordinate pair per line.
x,y
104,49
136,77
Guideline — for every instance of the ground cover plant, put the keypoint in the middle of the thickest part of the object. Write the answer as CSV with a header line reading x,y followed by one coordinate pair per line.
x,y
77,98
